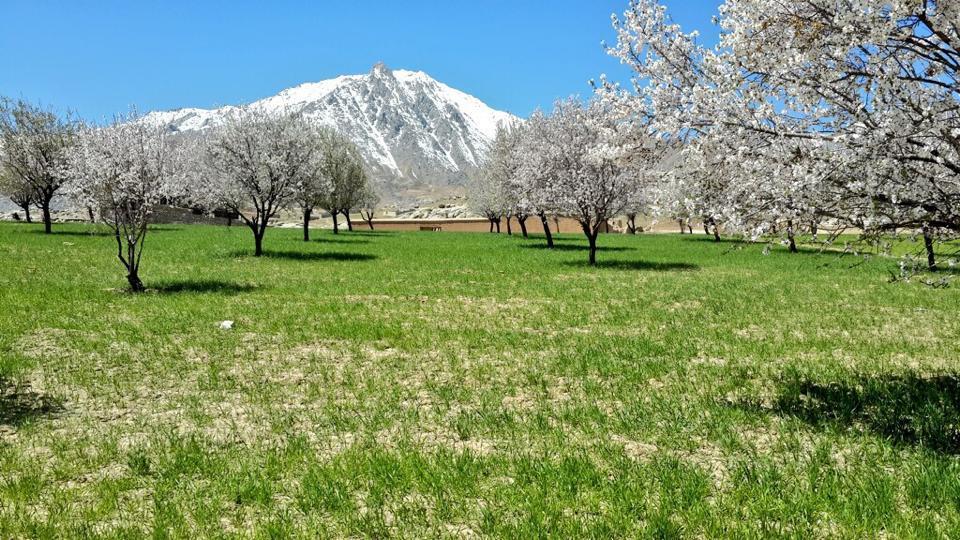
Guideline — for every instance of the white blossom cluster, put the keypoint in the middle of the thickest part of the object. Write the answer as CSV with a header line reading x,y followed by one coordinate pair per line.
x,y
255,165
34,148
844,112
581,161
121,172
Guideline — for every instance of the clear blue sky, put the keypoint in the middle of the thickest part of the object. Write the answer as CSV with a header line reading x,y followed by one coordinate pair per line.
x,y
99,58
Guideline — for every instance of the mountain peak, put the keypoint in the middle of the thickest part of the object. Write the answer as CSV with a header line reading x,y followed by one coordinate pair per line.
x,y
419,137
380,69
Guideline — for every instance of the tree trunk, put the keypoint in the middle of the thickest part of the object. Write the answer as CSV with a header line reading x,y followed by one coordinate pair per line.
x,y
26,212
814,229
509,226
133,279
592,238
370,222
90,215
45,209
683,229
790,237
706,226
928,245
498,225
523,225
546,229
129,260
346,214
491,224
307,212
336,223
716,231
690,227
257,243
632,223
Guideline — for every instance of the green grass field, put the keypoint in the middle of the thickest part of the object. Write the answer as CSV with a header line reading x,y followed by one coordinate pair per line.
x,y
452,385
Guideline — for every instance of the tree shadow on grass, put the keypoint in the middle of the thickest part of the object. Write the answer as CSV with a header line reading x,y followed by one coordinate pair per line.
x,y
200,286
907,409
558,246
943,270
637,265
338,240
318,256
19,404
368,233
699,237
88,233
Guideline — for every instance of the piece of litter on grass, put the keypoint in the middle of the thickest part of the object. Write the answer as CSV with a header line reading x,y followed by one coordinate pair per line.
x,y
226,325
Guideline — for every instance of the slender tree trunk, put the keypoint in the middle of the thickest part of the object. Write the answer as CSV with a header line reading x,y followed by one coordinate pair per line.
x,y
814,229
45,210
133,278
592,239
498,225
259,230
523,225
230,221
370,222
690,227
716,230
509,226
336,223
257,244
546,229
790,237
90,215
26,212
928,245
591,234
346,214
706,227
632,223
129,261
491,224
307,212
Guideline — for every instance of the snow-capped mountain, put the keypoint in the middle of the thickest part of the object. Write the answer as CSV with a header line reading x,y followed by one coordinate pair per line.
x,y
418,135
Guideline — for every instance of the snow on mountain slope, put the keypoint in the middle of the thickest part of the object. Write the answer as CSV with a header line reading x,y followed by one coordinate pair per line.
x,y
416,134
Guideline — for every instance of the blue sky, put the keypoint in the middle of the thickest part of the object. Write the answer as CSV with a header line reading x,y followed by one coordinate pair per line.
x,y
99,58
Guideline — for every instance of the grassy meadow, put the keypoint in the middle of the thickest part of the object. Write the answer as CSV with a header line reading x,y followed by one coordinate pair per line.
x,y
460,385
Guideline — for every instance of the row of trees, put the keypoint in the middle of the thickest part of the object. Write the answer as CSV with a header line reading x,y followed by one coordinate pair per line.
x,y
260,163
816,115
33,155
255,165
841,113
581,161
811,115
822,115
